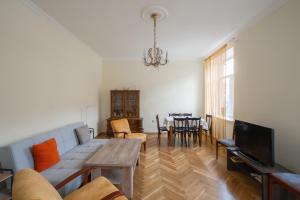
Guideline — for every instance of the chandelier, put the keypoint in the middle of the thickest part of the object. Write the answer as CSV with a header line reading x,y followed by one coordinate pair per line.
x,y
155,55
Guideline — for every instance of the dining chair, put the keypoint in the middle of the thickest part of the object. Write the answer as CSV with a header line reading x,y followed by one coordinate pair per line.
x,y
208,119
194,128
180,128
160,129
186,114
180,114
226,142
174,114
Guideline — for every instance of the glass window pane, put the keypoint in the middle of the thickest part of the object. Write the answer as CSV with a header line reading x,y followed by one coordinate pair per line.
x,y
229,97
229,68
229,53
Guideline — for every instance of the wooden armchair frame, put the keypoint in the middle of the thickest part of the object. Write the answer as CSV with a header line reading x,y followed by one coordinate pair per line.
x,y
86,172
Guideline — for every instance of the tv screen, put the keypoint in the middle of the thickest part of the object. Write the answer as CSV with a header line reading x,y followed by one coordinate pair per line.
x,y
255,141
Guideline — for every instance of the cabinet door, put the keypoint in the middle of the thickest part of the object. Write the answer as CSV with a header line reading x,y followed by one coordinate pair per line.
x,y
117,105
131,104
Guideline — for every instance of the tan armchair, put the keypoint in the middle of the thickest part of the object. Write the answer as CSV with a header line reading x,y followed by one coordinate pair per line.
x,y
121,129
30,185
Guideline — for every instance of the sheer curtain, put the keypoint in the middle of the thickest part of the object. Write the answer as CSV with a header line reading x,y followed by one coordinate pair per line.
x,y
215,91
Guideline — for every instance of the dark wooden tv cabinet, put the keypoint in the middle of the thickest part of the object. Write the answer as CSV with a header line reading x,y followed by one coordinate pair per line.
x,y
240,162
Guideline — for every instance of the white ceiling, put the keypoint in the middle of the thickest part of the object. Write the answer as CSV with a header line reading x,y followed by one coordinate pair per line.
x,y
116,30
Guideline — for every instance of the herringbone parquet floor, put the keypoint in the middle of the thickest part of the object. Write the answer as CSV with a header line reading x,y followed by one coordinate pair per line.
x,y
177,173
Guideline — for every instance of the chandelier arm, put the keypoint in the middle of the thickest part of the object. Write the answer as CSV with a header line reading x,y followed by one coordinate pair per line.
x,y
166,59
150,55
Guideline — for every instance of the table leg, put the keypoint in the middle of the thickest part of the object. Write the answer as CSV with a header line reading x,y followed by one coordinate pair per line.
x,y
127,182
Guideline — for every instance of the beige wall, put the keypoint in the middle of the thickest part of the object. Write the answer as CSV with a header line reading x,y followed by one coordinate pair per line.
x,y
175,88
267,79
47,76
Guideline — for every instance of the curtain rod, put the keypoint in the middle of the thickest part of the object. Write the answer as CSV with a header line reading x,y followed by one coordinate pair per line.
x,y
217,51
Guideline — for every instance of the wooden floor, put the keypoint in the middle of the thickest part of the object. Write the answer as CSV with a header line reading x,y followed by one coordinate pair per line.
x,y
191,173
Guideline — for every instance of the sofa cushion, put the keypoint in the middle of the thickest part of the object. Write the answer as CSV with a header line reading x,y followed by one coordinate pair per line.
x,y
85,151
55,176
83,134
68,164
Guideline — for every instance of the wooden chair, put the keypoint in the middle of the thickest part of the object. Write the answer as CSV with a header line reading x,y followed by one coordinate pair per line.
x,y
121,129
160,129
180,114
225,142
194,127
29,184
208,119
174,114
180,129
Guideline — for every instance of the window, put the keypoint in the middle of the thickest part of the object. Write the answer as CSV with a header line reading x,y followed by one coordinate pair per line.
x,y
219,83
219,91
229,78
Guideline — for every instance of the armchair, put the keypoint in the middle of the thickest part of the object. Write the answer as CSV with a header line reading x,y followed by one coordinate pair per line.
x,y
29,184
121,129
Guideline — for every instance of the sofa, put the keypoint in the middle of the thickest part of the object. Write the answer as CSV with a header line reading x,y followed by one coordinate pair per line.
x,y
18,155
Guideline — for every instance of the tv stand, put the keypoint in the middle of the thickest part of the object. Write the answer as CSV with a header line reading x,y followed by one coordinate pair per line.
x,y
240,162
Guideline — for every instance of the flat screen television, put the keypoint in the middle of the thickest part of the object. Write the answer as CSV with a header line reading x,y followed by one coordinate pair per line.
x,y
257,142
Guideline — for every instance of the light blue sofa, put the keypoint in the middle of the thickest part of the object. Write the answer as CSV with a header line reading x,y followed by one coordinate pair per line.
x,y
18,155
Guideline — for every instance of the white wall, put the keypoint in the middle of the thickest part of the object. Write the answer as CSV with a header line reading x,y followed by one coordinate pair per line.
x,y
267,79
175,88
47,76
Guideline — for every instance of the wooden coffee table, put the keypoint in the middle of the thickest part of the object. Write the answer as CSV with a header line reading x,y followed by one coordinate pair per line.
x,y
119,154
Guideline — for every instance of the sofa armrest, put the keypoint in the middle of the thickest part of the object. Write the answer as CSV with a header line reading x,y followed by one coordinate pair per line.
x,y
7,170
85,172
92,131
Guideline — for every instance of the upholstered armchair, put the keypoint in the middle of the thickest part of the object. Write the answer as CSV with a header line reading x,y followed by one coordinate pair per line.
x,y
121,129
30,185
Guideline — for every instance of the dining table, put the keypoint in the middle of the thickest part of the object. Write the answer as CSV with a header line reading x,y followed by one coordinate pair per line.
x,y
169,123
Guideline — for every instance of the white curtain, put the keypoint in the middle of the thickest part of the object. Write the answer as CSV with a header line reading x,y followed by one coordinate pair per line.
x,y
215,91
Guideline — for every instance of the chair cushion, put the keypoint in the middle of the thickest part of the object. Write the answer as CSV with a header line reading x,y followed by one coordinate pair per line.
x,y
28,184
45,154
83,134
141,136
120,125
97,189
227,142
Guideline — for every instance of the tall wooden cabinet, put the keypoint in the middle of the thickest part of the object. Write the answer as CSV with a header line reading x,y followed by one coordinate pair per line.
x,y
125,104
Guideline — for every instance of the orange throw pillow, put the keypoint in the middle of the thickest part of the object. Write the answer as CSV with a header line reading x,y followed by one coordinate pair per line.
x,y
45,155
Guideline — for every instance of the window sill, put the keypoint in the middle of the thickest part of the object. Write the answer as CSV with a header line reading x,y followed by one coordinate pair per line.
x,y
229,119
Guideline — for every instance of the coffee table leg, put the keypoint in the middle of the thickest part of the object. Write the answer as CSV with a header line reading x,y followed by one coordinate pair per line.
x,y
127,182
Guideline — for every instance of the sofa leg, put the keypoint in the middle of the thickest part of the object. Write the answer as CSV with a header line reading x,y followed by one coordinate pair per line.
x,y
144,146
